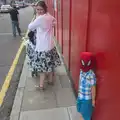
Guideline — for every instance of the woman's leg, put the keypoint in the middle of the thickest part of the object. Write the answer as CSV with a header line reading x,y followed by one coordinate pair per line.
x,y
42,79
50,77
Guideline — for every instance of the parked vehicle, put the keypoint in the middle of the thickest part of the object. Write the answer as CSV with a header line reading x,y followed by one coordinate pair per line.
x,y
5,8
22,4
17,6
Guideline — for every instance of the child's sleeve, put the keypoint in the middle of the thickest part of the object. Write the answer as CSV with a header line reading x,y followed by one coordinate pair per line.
x,y
93,79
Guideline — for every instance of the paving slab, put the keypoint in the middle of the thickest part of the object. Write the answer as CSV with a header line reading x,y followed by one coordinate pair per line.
x,y
50,114
74,115
36,100
65,97
57,84
60,70
31,83
65,82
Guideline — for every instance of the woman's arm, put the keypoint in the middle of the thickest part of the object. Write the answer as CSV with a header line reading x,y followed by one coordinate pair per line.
x,y
36,23
54,22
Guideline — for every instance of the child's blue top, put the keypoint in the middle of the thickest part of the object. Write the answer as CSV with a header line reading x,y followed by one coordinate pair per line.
x,y
86,81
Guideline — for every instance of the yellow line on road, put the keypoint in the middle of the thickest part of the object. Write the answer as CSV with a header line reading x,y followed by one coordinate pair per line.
x,y
10,73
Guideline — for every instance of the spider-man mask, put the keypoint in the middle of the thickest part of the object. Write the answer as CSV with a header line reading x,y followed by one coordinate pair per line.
x,y
86,61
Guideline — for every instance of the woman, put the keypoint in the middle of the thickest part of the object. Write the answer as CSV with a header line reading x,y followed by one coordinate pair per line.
x,y
46,57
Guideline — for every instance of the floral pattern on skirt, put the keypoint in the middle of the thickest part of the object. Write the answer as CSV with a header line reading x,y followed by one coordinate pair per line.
x,y
43,61
30,50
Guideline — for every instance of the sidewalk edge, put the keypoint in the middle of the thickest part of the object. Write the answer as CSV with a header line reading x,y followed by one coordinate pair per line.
x,y
16,108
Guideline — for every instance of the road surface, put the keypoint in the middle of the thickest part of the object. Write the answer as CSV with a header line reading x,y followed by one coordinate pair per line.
x,y
8,49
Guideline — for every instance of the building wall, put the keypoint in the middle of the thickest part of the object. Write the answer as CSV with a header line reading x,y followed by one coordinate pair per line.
x,y
93,25
104,40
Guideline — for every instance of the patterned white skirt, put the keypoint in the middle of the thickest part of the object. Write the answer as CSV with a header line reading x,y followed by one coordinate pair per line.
x,y
42,61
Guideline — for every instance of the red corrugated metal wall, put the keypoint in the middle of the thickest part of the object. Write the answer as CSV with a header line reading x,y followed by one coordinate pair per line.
x,y
104,41
78,35
66,16
93,25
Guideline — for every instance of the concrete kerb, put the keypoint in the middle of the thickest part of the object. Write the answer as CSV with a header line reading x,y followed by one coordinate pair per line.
x,y
15,113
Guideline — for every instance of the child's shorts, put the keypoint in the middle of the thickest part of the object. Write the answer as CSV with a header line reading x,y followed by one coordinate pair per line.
x,y
85,108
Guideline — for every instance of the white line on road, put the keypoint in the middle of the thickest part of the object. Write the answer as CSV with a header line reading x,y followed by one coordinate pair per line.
x,y
9,33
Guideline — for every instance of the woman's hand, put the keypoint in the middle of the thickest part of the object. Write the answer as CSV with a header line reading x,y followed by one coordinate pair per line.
x,y
54,23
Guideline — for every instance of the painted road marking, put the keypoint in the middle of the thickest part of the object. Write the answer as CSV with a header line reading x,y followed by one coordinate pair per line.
x,y
9,75
11,71
10,34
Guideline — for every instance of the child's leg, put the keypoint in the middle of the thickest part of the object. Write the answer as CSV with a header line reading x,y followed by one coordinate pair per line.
x,y
42,78
86,109
78,105
50,78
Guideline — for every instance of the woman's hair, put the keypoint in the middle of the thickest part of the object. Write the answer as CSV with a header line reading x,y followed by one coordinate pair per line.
x,y
42,4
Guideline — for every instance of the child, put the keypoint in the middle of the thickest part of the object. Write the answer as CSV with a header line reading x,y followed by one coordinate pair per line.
x,y
87,86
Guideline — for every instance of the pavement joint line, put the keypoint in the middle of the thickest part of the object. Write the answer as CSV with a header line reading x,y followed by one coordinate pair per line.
x,y
11,71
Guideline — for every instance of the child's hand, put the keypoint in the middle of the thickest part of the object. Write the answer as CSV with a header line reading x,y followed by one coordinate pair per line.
x,y
93,103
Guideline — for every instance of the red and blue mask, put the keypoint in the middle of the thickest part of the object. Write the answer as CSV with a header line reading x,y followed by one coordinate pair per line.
x,y
86,61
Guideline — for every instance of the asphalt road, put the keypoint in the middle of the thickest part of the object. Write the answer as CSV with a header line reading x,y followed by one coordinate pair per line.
x,y
8,49
8,44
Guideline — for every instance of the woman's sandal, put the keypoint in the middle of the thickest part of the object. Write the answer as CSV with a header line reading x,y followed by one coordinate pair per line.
x,y
39,87
50,83
34,74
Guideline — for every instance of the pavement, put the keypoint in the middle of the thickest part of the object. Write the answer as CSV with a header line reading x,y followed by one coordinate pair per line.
x,y
8,49
55,103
